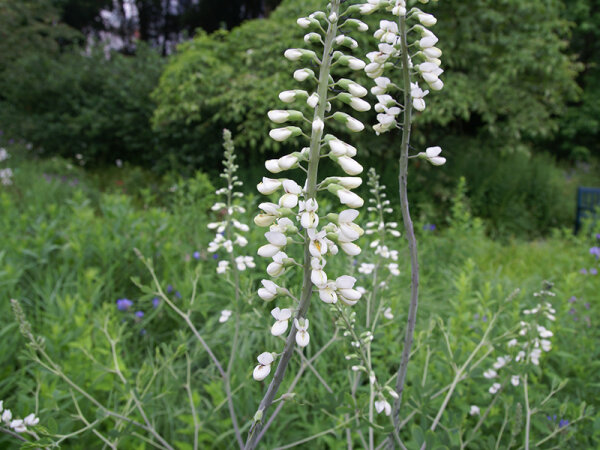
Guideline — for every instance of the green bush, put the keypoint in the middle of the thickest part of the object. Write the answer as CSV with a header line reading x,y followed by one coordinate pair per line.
x,y
90,105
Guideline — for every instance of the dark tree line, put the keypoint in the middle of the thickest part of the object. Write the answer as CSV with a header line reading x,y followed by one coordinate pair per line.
x,y
162,23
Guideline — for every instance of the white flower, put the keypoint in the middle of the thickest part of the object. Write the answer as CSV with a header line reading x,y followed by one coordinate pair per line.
x,y
535,356
546,345
495,388
501,361
277,267
318,275
427,19
388,32
268,186
7,416
387,313
18,426
242,262
3,155
293,54
303,22
349,198
276,242
355,63
308,217
347,294
383,405
318,242
349,165
262,370
339,148
318,125
428,41
225,315
302,336
348,230
281,316
290,198
366,268
287,162
270,214
543,332
222,266
350,248
393,268
432,52
281,134
31,420
514,380
417,95
489,374
302,74
313,100
474,411
512,343
359,104
269,290
431,154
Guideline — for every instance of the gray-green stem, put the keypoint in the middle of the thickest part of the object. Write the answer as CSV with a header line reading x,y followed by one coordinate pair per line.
x,y
408,226
311,186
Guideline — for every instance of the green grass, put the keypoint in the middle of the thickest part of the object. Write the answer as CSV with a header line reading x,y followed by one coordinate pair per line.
x,y
67,255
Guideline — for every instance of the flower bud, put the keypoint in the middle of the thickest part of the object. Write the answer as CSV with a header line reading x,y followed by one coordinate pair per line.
x,y
312,38
290,96
351,123
427,19
302,74
281,134
356,24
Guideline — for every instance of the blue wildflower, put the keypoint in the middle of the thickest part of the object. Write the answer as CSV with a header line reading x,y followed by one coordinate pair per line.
x,y
572,299
155,302
583,271
196,255
216,256
139,314
595,251
563,423
169,289
593,271
177,294
123,304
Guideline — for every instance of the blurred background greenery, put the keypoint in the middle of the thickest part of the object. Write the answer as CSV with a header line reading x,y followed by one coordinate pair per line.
x,y
153,86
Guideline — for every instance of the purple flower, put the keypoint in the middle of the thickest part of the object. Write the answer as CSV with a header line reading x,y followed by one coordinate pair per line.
x,y
551,418
216,256
169,289
143,332
484,318
429,227
595,251
123,304
155,302
139,314
572,311
177,294
11,141
583,271
587,305
593,271
572,299
196,255
563,423
598,236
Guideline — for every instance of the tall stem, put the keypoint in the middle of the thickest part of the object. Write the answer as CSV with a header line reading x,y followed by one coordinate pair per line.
x,y
527,412
311,190
408,226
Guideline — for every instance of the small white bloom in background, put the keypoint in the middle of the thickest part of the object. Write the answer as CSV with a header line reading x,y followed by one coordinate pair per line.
x,y
474,411
31,420
490,373
387,313
535,356
494,388
512,343
6,176
366,268
282,316
383,405
222,267
18,426
514,380
501,361
262,370
302,336
243,262
543,332
225,315
4,155
393,268
7,416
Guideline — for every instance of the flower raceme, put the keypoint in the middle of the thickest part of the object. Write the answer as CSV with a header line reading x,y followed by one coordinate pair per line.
x,y
292,218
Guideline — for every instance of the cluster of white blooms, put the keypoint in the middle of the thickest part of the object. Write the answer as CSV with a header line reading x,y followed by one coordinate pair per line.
x,y
533,339
423,65
229,230
294,218
6,174
380,229
17,425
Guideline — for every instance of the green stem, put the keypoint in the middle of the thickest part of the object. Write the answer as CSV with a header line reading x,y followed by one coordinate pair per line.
x,y
311,190
408,226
